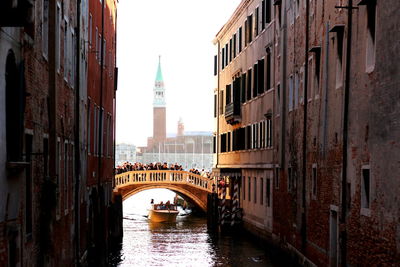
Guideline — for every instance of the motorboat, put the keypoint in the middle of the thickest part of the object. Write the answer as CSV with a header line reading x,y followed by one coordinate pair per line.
x,y
163,212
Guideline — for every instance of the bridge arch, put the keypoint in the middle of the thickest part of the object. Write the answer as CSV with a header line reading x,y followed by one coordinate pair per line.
x,y
195,199
193,186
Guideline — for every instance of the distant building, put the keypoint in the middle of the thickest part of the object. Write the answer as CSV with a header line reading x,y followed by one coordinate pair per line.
x,y
124,153
190,149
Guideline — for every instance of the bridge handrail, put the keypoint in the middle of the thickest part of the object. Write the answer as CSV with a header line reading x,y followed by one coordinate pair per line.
x,y
163,176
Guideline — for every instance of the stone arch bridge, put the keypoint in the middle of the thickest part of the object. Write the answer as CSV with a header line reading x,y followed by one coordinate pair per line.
x,y
192,186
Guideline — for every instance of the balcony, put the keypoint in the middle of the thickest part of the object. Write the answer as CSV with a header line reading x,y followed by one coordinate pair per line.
x,y
232,112
16,13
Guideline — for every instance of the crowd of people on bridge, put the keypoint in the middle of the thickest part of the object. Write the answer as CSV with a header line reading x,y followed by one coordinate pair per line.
x,y
137,166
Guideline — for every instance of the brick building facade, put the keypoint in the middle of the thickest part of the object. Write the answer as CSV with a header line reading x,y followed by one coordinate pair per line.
x,y
333,106
45,198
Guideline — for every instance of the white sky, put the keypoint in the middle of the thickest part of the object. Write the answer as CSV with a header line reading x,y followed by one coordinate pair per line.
x,y
181,31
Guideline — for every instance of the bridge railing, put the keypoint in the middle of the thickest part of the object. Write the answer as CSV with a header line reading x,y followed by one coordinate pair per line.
x,y
163,176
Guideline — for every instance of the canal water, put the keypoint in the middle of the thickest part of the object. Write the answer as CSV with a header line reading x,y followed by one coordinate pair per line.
x,y
184,243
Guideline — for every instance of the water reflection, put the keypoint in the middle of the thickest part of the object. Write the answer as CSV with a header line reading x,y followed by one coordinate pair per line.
x,y
183,243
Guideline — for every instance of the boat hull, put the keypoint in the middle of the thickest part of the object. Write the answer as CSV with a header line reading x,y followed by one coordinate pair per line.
x,y
163,215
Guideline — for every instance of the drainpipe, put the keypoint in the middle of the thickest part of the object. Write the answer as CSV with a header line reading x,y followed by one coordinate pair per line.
x,y
115,95
52,117
283,84
100,151
217,104
304,170
77,134
345,135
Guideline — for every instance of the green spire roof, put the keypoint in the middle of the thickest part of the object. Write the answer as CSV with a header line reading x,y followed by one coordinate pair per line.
x,y
159,77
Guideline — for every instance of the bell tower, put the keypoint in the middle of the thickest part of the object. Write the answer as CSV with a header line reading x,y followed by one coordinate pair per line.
x,y
159,107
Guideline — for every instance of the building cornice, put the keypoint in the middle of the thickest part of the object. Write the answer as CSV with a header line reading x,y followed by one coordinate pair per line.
x,y
232,20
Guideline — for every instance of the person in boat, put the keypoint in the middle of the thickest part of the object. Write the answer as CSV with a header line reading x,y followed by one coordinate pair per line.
x,y
168,204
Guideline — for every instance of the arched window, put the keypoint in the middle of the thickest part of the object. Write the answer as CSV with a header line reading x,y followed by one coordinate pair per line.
x,y
15,98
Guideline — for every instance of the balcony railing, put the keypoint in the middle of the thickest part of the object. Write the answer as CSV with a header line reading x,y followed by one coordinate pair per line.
x,y
232,112
163,177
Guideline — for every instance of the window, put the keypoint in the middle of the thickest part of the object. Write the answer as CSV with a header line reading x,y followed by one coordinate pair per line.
x,y
255,190
45,28
226,54
91,29
215,65
229,142
46,157
223,58
365,187
250,28
268,192
317,73
66,177
255,80
215,106
59,157
263,15
253,137
15,98
72,58
314,180
228,95
65,65
268,11
290,93
278,98
296,89
261,87
268,131
243,89
262,134
244,187
99,40
240,41
269,64
249,188
261,191
256,22
97,43
248,137
234,45
246,32
28,184
101,133
230,50
95,130
104,52
277,172
89,126
290,179
339,59
371,32
301,86
58,33
214,144
249,84
223,143
221,102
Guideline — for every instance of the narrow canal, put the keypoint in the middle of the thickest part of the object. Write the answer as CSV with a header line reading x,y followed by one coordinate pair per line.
x,y
184,243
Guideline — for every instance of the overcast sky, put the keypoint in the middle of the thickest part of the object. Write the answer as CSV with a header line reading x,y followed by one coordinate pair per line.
x,y
181,31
